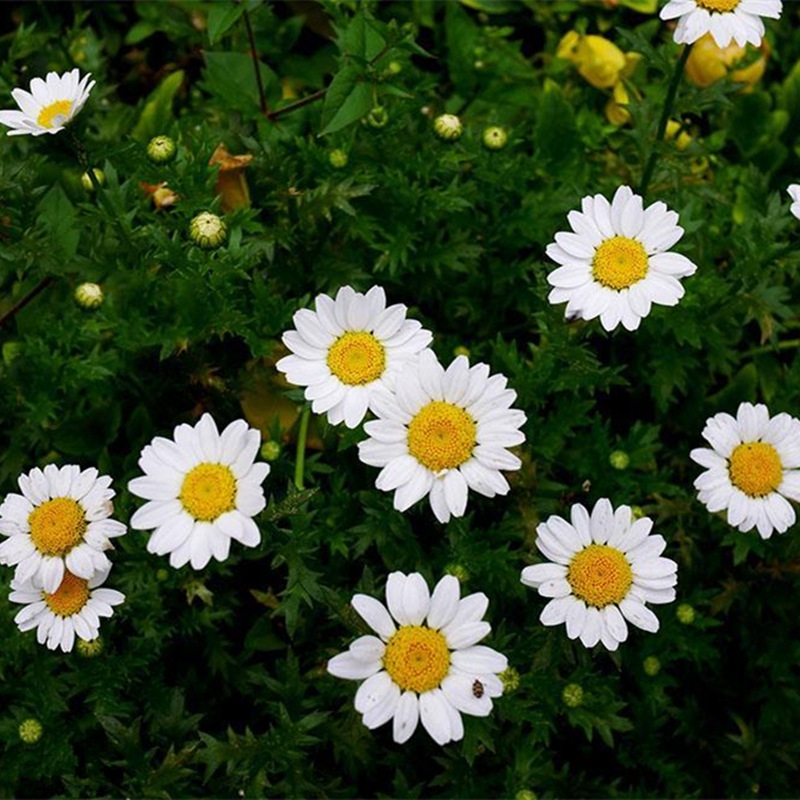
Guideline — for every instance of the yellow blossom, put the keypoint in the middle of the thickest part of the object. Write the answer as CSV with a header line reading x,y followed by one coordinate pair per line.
x,y
708,63
616,107
599,61
683,139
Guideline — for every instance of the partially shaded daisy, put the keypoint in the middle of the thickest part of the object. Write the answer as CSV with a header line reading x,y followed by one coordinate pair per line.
x,y
347,348
203,489
61,521
605,568
441,433
50,104
615,263
73,609
794,193
428,667
725,20
751,468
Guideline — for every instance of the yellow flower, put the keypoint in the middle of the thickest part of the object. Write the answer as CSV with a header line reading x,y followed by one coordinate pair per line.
x,y
683,139
599,61
616,107
709,63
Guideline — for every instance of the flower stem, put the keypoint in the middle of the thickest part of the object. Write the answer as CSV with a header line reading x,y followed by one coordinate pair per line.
x,y
40,287
262,98
300,459
672,91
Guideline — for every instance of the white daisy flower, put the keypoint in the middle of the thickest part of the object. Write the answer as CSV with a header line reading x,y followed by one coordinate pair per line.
x,y
203,489
347,349
605,568
430,670
725,20
616,263
61,521
794,193
751,468
441,433
73,609
50,104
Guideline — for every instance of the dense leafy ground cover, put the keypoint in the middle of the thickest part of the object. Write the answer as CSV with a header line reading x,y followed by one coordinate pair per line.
x,y
213,681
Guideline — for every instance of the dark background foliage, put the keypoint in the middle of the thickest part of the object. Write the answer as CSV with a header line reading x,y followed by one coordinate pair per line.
x,y
214,683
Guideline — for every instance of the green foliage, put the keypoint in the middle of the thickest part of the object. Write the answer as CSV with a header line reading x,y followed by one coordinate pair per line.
x,y
213,683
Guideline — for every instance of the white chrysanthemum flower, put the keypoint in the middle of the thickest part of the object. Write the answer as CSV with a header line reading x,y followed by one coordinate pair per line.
x,y
59,522
422,669
50,104
73,609
347,349
203,489
615,264
443,432
751,469
725,20
794,193
605,568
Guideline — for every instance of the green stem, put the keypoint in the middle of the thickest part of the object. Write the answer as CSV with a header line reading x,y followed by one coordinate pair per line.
x,y
788,344
672,91
40,287
262,98
300,459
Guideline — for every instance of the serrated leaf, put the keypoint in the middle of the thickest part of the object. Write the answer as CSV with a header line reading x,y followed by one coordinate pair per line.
x,y
348,99
221,17
157,112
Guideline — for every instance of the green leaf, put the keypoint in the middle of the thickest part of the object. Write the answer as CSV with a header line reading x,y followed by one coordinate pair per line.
x,y
221,18
348,99
231,78
555,133
58,218
157,113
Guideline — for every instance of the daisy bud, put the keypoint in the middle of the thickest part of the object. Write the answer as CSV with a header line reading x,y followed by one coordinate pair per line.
x,y
495,138
525,794
637,512
270,450
457,571
208,230
510,679
461,351
572,695
30,731
90,648
394,68
619,459
162,575
86,179
448,127
685,614
337,158
378,117
651,666
89,296
161,149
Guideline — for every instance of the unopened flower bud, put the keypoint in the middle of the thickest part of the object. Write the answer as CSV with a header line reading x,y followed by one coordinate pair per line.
x,y
461,351
685,614
495,138
448,127
270,450
86,179
394,67
89,295
89,649
651,666
525,794
337,158
378,117
637,512
162,574
619,459
208,230
572,695
510,679
161,149
457,570
30,731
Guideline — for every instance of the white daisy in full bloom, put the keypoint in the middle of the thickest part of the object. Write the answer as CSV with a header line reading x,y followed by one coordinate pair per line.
x,y
50,104
203,489
794,193
347,348
61,521
604,568
73,609
751,468
441,433
615,262
725,20
428,667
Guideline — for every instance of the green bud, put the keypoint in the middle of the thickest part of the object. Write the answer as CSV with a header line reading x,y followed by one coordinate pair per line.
x,y
394,68
457,570
461,351
510,679
378,117
685,613
161,149
495,138
448,127
162,574
89,296
208,230
619,459
525,794
86,180
637,512
270,450
572,695
337,158
89,649
651,666
30,731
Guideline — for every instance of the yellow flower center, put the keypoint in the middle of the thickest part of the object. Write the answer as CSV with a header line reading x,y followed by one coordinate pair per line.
x,y
441,436
54,114
619,262
208,491
70,597
417,658
357,357
57,526
600,575
755,468
718,5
